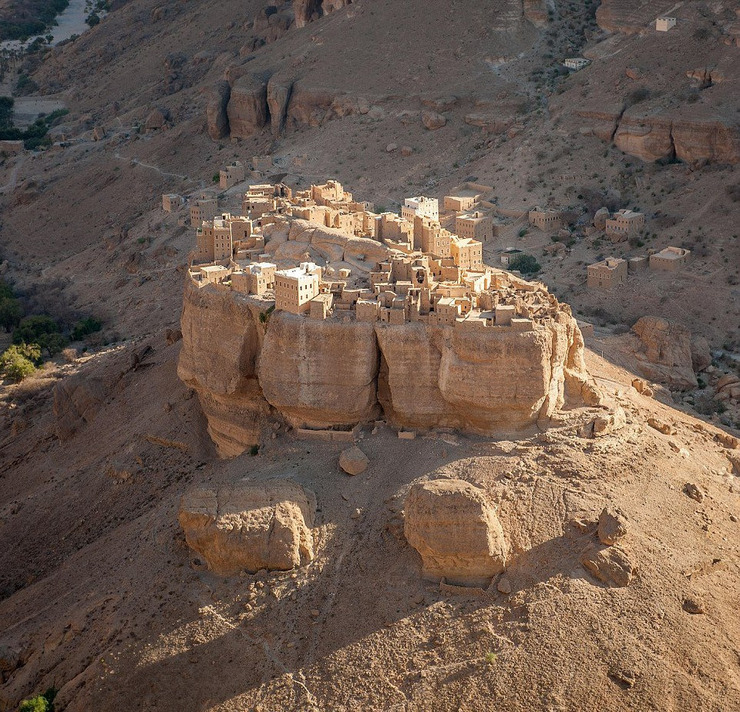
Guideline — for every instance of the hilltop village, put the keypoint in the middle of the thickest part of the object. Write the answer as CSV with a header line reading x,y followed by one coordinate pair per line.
x,y
431,274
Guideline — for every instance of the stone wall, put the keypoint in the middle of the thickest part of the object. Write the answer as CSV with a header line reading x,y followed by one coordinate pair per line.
x,y
249,370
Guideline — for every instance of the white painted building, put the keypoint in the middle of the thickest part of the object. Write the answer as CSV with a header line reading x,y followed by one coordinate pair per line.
x,y
576,63
296,287
421,207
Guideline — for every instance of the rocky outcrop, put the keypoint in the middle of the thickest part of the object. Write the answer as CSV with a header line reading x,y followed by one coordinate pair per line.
x,y
247,366
319,374
535,11
247,109
309,10
278,96
76,402
456,531
216,114
663,352
250,526
222,338
627,17
664,136
470,379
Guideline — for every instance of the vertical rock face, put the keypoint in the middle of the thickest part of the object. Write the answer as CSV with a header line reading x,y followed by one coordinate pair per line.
x,y
216,115
320,373
247,109
222,337
278,96
456,532
250,526
338,373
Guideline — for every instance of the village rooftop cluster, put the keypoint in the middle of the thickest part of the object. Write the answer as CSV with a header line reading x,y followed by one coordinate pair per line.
x,y
430,275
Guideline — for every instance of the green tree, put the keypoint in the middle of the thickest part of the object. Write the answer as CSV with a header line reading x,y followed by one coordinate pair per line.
x,y
17,362
526,264
86,326
33,329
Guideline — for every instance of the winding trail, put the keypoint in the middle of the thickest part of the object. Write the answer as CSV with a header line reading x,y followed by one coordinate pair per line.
x,y
147,165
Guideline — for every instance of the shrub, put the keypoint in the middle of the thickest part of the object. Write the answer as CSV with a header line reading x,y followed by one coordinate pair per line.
x,y
40,703
526,264
17,362
84,327
33,329
254,450
35,704
523,232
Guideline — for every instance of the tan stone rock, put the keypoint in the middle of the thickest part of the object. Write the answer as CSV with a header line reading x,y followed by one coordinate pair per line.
x,y
353,461
610,565
661,427
663,352
247,108
218,99
613,525
432,120
250,525
77,400
694,491
456,532
319,373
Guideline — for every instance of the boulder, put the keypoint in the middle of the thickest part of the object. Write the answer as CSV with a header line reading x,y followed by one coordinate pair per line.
x,y
694,491
600,218
250,525
701,357
353,461
10,660
663,352
216,114
157,119
661,427
456,531
406,151
642,387
610,565
613,525
432,120
77,399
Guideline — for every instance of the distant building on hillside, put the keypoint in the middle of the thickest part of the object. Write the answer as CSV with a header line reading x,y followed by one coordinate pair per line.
x,y
545,219
231,175
576,63
663,24
172,202
607,273
669,259
475,226
625,223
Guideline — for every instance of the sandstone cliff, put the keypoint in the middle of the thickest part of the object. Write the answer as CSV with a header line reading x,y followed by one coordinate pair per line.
x,y
222,337
324,374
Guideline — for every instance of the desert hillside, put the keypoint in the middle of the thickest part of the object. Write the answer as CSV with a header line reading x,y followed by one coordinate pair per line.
x,y
103,596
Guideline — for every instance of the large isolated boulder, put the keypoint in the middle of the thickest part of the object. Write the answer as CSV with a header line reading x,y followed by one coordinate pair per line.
x,y
77,400
663,352
353,461
250,525
456,531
